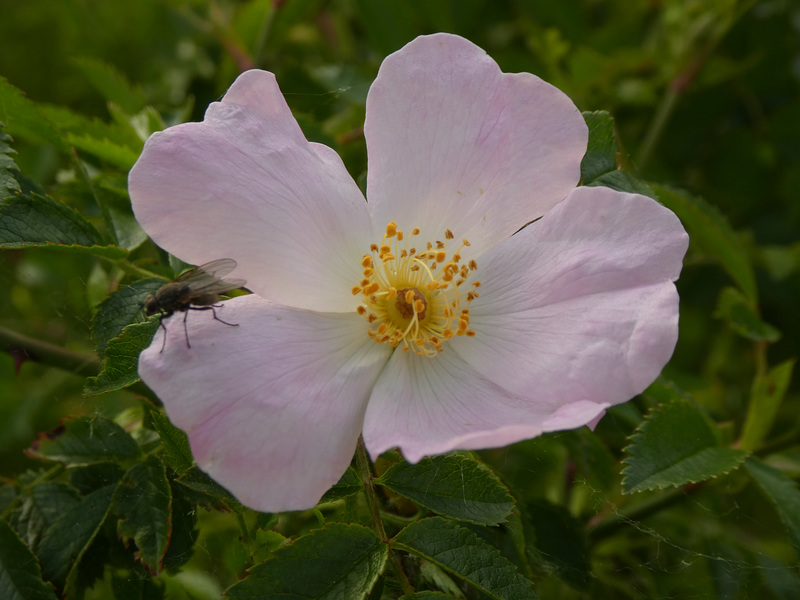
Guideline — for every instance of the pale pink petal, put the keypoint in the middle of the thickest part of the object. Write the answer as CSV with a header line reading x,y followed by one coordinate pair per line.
x,y
455,143
273,407
429,406
580,305
245,184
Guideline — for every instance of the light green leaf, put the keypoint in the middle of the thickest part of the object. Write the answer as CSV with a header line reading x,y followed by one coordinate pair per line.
x,y
623,182
456,486
601,151
676,444
86,440
783,492
105,149
461,552
119,309
24,119
122,359
174,442
33,220
20,575
712,235
766,396
741,315
336,562
144,500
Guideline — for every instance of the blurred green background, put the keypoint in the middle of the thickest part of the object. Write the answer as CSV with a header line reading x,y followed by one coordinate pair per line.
x,y
705,94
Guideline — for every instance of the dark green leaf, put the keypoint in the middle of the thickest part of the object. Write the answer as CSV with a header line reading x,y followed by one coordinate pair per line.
x,y
174,442
23,118
348,485
427,596
783,492
40,508
766,396
91,477
70,536
112,84
122,359
456,486
601,152
337,562
207,488
86,440
462,553
676,444
29,221
20,575
741,315
144,502
184,532
8,168
712,235
119,309
561,541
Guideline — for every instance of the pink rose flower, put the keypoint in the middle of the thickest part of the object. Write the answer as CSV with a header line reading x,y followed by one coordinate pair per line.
x,y
425,318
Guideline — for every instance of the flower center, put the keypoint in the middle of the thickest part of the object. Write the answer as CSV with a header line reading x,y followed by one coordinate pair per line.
x,y
414,297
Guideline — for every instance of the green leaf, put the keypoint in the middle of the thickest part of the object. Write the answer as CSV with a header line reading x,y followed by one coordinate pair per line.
x,y
20,575
122,359
348,485
71,123
601,152
40,508
741,315
112,84
561,540
783,492
712,235
8,168
623,182
28,221
456,486
336,562
462,553
766,396
116,154
23,118
427,596
676,444
70,536
119,309
86,440
144,501
183,535
174,442
208,489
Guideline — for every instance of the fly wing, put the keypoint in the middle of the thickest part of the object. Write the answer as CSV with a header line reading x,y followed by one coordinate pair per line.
x,y
207,278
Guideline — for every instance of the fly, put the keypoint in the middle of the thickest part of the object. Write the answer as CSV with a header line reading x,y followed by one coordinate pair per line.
x,y
198,289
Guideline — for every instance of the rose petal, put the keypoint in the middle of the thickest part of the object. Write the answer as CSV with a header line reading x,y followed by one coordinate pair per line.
x,y
581,304
245,184
455,143
273,407
433,405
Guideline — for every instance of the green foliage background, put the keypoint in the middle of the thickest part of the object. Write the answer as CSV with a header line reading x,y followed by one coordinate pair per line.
x,y
704,97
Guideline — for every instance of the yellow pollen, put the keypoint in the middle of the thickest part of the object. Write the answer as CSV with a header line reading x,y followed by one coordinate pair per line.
x,y
409,298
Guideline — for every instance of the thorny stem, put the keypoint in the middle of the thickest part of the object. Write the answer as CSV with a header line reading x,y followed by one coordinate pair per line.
x,y
23,348
365,472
